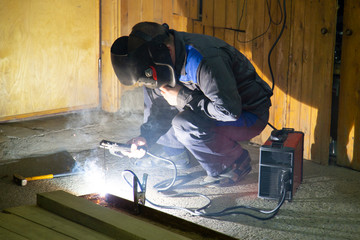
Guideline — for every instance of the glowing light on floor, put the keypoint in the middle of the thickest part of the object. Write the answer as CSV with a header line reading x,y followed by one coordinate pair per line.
x,y
350,144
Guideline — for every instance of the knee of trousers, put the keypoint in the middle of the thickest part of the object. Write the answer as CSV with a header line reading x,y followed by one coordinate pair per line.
x,y
181,125
190,126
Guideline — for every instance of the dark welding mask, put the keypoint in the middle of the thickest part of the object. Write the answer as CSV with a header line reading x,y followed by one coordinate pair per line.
x,y
149,65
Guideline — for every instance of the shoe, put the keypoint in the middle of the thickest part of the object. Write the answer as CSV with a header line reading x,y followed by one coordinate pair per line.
x,y
244,160
233,174
210,181
239,169
230,177
236,174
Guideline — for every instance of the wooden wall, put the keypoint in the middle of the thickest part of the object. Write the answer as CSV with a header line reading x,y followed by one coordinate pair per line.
x,y
49,56
49,52
348,145
302,61
118,17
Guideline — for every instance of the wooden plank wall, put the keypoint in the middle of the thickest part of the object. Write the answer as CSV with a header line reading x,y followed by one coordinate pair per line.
x,y
49,54
110,30
302,61
348,150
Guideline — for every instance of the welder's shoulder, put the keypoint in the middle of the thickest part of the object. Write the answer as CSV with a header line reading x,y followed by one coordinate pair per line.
x,y
206,45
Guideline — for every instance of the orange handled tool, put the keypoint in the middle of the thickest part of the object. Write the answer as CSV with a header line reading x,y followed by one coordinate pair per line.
x,y
22,181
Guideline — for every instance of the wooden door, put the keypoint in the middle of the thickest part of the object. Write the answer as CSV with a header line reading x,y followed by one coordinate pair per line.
x,y
348,146
49,52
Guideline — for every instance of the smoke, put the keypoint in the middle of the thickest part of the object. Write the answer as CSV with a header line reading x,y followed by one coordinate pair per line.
x,y
84,132
95,177
93,169
100,175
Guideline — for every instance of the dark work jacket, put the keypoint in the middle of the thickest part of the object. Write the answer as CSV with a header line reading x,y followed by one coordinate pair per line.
x,y
219,83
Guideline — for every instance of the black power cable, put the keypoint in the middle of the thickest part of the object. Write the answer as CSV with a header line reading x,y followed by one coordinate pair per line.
x,y
267,28
271,50
282,19
251,211
273,46
266,214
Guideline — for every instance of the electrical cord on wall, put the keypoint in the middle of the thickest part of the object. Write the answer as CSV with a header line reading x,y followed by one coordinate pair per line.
x,y
273,46
269,55
267,28
271,21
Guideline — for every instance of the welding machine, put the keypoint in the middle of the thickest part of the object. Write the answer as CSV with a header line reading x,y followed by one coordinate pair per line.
x,y
282,152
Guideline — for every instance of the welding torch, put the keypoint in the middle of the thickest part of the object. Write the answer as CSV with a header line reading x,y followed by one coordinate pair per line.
x,y
115,147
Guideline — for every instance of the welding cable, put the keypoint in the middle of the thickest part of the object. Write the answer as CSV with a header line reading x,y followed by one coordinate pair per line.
x,y
267,214
186,194
192,212
134,175
158,185
284,179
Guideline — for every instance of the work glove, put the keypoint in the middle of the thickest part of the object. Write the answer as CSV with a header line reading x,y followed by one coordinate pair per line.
x,y
137,149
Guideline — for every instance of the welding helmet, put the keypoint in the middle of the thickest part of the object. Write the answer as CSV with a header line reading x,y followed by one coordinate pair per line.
x,y
149,64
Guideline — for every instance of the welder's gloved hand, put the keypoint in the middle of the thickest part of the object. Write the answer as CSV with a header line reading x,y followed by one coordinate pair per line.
x,y
138,148
170,94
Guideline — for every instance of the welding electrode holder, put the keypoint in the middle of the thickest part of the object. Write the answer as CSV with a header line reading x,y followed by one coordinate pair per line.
x,y
116,148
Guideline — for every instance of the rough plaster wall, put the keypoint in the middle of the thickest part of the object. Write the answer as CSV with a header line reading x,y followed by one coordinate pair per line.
x,y
132,100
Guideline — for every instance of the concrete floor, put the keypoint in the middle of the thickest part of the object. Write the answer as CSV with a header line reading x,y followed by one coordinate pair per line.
x,y
326,206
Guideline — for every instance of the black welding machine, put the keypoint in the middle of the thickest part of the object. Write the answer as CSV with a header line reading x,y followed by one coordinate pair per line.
x,y
283,151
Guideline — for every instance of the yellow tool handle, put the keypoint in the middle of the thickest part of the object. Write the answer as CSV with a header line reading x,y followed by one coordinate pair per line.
x,y
48,176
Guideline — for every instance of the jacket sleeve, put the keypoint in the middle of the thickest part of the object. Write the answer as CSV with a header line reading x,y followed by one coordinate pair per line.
x,y
216,93
158,116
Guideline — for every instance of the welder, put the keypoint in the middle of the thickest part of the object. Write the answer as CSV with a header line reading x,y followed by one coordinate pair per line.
x,y
201,95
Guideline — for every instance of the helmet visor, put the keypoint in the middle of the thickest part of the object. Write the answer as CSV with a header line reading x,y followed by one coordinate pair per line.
x,y
133,67
128,67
